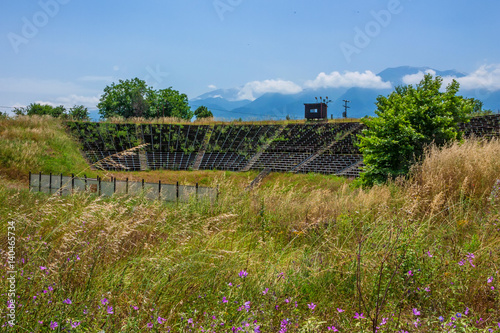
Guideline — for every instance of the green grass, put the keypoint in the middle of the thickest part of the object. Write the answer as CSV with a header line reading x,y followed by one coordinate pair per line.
x,y
39,144
310,245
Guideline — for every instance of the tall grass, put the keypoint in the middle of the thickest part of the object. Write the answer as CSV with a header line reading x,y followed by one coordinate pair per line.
x,y
37,143
284,257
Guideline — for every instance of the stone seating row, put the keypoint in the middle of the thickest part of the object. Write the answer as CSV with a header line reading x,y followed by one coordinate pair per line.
x,y
174,161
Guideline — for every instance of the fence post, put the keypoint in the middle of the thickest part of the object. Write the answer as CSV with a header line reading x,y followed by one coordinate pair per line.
x,y
85,182
72,183
61,185
143,186
50,183
98,185
40,182
126,186
177,191
114,185
196,191
159,189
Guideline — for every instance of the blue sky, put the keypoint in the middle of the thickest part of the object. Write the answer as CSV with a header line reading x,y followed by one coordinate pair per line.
x,y
67,51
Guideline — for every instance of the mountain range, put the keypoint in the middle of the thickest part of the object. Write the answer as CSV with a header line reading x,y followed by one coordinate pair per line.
x,y
225,103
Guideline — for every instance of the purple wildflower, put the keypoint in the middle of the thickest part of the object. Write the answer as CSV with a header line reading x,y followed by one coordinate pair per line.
x,y
243,274
416,312
265,291
67,301
110,310
359,316
53,325
311,306
104,301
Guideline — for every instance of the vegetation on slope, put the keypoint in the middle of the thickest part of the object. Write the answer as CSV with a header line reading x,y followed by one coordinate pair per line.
x,y
404,256
39,144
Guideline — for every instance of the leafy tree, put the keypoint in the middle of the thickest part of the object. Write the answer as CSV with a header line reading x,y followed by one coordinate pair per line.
x,y
203,112
409,119
123,99
79,112
478,108
58,111
41,110
133,98
170,103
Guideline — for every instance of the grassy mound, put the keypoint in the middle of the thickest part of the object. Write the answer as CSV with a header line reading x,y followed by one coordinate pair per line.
x,y
301,253
39,144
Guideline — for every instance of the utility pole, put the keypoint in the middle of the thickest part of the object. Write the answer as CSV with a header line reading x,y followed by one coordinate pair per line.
x,y
344,114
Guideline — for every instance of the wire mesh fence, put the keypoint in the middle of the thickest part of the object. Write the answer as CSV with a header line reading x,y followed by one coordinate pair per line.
x,y
66,185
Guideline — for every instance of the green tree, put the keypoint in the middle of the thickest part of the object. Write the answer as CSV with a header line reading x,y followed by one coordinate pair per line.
x,y
124,99
170,103
478,108
41,110
203,112
79,112
134,98
409,119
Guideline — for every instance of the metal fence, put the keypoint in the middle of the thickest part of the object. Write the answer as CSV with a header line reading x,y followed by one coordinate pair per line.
x,y
66,185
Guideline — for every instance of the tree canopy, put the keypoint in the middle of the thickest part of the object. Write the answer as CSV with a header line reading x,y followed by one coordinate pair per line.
x,y
203,112
77,112
408,120
134,98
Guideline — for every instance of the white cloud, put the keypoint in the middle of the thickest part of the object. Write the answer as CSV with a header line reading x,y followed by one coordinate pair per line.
x,y
47,91
71,100
486,77
254,89
416,78
212,87
347,80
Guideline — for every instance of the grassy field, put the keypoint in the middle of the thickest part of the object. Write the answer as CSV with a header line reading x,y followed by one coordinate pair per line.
x,y
300,253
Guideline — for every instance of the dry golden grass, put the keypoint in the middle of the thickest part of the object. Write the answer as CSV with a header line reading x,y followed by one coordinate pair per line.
x,y
458,172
